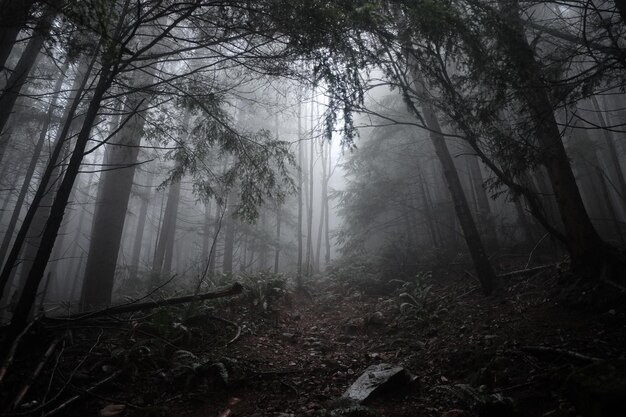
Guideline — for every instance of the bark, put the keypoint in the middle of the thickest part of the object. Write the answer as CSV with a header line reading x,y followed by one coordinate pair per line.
x,y
309,224
23,68
327,208
29,292
300,164
611,152
485,216
277,250
114,190
229,242
37,213
32,166
163,258
217,226
206,232
470,232
320,228
233,289
141,226
589,253
15,14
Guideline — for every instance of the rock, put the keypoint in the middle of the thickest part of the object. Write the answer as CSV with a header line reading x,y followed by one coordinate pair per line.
x,y
377,379
599,389
288,336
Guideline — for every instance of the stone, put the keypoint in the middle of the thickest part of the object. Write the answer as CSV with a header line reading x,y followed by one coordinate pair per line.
x,y
378,379
599,389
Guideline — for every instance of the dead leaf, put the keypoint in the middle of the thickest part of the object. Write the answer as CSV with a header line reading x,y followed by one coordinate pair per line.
x,y
112,410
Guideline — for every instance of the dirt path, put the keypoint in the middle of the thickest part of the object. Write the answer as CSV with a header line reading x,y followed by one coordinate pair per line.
x,y
473,356
318,347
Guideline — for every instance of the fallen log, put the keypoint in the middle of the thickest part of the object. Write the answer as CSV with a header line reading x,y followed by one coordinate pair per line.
x,y
234,289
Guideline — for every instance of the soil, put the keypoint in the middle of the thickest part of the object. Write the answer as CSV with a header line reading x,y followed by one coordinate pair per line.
x,y
471,355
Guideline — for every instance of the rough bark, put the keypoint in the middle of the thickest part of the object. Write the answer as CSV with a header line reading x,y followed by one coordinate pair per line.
x,y
32,165
15,14
23,68
141,226
37,213
164,253
29,292
589,253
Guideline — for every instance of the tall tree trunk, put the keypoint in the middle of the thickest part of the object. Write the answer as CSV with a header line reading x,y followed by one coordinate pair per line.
x,y
470,232
32,166
309,224
482,201
329,172
589,253
29,292
39,209
206,232
114,189
278,246
141,226
229,242
217,227
22,69
320,228
300,165
474,243
15,14
611,152
165,249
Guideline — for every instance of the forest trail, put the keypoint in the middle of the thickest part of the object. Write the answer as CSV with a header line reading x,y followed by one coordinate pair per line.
x,y
516,347
472,356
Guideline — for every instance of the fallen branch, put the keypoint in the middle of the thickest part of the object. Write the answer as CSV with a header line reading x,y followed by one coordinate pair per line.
x,y
87,391
234,289
563,352
33,376
8,360
527,271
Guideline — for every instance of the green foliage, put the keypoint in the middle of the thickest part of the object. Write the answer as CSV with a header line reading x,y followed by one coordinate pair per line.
x,y
263,290
415,295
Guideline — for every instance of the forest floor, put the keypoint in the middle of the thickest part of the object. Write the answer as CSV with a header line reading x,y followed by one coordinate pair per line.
x,y
517,346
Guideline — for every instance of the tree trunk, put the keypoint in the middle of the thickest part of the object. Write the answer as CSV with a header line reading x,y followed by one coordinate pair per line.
x,y
15,14
32,166
300,164
229,242
114,189
588,252
470,232
29,292
327,208
22,69
165,249
277,250
611,152
482,201
141,226
38,211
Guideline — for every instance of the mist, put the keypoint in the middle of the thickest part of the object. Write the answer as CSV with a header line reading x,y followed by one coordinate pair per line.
x,y
312,208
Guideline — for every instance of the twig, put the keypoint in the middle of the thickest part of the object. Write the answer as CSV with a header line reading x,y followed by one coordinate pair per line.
x,y
237,335
530,256
87,391
527,271
36,372
564,352
6,363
